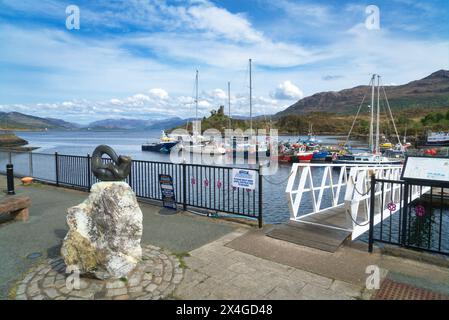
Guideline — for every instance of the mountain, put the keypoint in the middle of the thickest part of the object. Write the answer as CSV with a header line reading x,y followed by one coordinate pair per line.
x,y
429,92
17,120
168,123
118,124
136,124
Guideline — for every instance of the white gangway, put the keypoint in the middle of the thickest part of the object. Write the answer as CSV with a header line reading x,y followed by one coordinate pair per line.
x,y
344,190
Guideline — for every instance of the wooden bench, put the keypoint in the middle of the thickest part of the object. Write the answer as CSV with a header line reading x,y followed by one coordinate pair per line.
x,y
17,206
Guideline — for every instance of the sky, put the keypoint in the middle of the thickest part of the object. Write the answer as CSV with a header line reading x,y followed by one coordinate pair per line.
x,y
138,58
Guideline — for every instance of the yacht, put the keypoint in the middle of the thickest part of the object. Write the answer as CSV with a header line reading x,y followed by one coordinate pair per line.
x,y
374,155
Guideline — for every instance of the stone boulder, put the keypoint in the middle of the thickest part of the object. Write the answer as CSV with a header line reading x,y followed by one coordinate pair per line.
x,y
105,232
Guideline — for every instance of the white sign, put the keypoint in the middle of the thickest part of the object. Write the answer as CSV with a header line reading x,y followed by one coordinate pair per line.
x,y
245,179
436,169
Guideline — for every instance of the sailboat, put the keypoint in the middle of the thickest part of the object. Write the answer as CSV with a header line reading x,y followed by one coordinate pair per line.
x,y
196,143
248,146
374,155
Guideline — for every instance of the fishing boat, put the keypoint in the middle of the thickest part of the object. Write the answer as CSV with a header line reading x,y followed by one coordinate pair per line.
x,y
302,155
294,153
374,155
320,155
164,145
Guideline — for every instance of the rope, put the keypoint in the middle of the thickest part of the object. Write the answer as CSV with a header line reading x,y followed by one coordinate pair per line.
x,y
355,188
278,183
391,115
359,224
357,115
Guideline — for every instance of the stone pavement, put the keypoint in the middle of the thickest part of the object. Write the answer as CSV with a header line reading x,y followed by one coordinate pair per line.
x,y
154,278
216,271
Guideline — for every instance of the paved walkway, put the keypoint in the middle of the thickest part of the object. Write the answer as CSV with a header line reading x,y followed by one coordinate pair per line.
x,y
275,269
216,271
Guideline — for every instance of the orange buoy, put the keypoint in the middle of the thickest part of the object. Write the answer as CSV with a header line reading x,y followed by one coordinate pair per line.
x,y
27,181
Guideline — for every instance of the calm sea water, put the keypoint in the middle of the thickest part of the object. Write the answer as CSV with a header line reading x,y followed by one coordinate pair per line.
x,y
275,206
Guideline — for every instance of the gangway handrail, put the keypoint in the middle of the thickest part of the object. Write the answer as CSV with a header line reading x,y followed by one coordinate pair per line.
x,y
354,181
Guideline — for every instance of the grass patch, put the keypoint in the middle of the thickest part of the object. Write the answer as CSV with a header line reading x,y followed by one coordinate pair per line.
x,y
171,296
180,256
12,294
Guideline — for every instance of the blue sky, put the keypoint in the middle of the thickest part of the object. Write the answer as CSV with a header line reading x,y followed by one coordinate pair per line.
x,y
137,58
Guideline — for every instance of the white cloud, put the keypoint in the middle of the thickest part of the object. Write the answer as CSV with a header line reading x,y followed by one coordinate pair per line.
x,y
288,91
159,93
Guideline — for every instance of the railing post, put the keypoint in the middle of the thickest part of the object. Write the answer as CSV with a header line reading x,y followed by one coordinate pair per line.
x,y
10,178
260,217
89,182
57,168
184,186
371,213
404,215
130,177
30,162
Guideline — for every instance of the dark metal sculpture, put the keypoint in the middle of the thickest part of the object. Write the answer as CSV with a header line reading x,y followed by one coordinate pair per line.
x,y
116,170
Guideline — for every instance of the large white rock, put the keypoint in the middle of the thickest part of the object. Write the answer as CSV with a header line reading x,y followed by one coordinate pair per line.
x,y
105,232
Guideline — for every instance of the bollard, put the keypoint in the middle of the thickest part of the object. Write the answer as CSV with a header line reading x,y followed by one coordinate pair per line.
x,y
10,179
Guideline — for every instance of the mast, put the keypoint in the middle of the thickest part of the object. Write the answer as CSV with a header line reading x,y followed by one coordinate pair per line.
x,y
371,128
250,100
229,104
196,96
378,116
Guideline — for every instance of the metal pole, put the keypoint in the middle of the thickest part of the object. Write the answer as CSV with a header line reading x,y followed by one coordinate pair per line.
x,y
57,168
250,100
229,104
196,96
378,116
404,214
371,213
184,187
260,217
10,178
31,163
371,128
89,182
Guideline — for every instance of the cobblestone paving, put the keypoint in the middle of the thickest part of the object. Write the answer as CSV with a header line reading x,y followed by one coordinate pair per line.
x,y
156,277
215,271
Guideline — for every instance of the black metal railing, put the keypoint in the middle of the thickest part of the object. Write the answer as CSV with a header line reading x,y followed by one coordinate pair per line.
x,y
198,186
421,223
